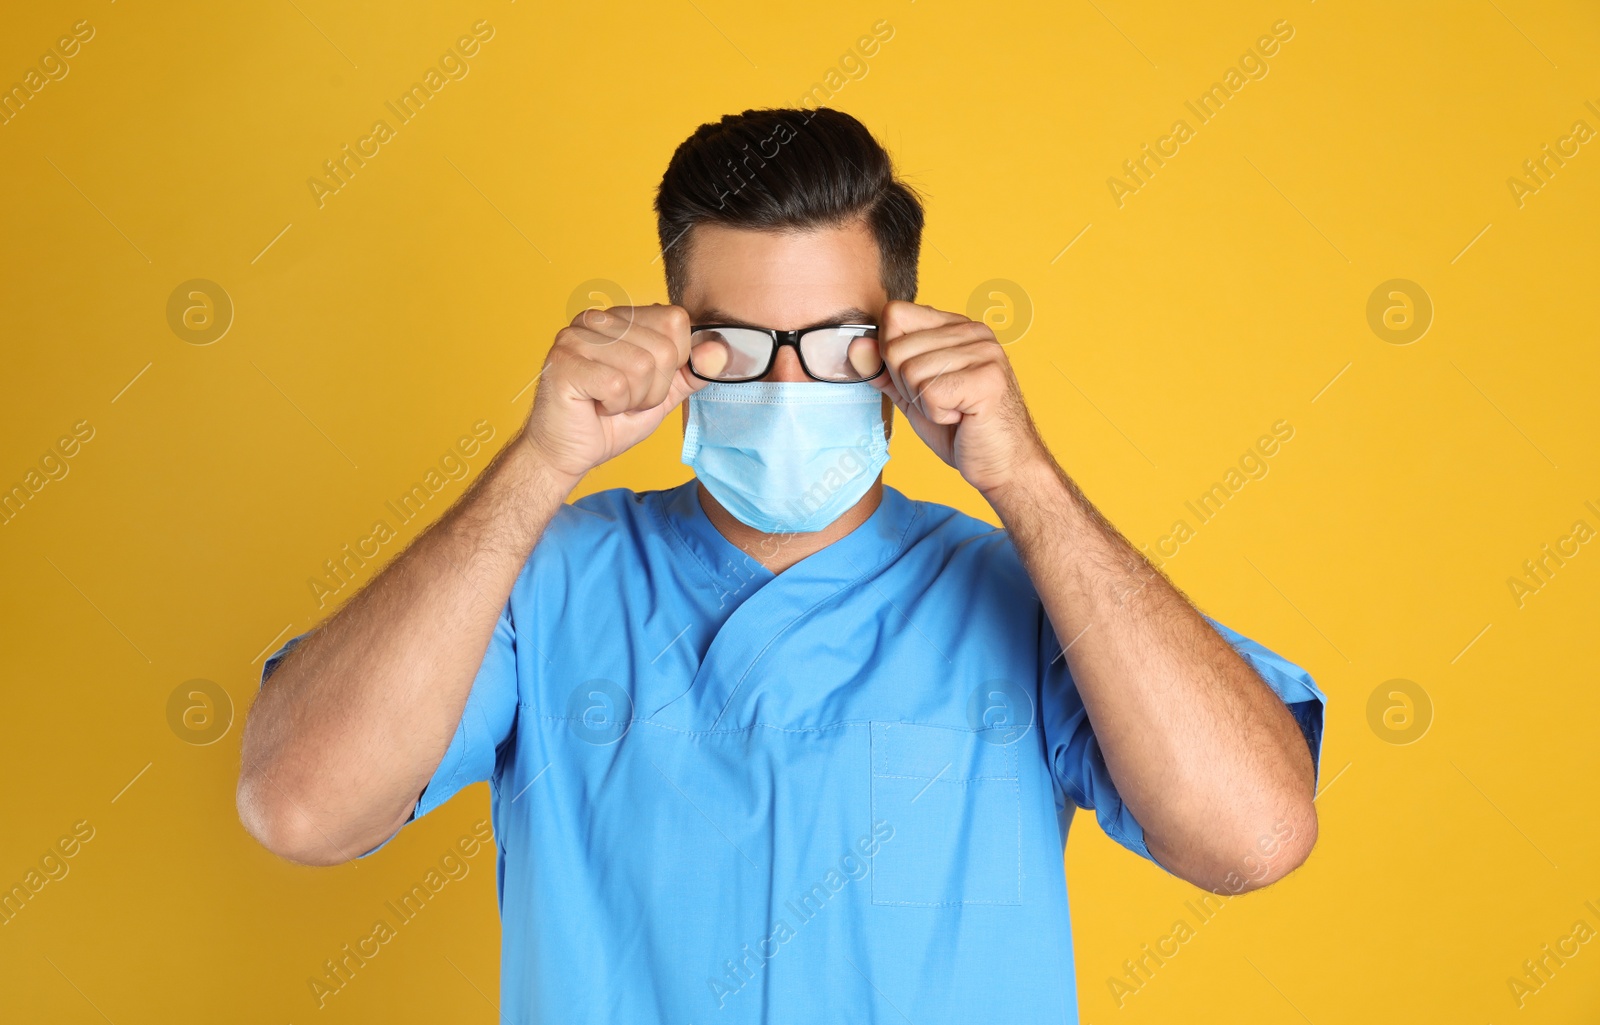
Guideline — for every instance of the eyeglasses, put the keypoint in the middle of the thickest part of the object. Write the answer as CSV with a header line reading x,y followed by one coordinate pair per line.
x,y
832,353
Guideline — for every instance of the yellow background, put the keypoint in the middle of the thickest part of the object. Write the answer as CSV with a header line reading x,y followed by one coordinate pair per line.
x,y
1225,295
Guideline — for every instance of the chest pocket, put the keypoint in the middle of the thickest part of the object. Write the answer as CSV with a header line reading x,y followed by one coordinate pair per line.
x,y
953,799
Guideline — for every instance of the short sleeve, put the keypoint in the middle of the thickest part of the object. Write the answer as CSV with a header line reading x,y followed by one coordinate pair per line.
x,y
1074,754
1294,688
486,721
277,657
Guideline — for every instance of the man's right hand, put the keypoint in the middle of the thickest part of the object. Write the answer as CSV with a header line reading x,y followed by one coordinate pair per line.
x,y
355,722
611,377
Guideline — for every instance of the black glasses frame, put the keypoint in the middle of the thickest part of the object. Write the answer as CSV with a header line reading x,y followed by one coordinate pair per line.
x,y
779,340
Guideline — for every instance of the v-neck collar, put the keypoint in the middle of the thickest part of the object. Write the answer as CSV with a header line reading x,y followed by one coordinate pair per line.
x,y
733,571
765,605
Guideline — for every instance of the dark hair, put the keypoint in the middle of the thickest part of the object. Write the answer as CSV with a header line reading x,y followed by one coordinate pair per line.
x,y
781,169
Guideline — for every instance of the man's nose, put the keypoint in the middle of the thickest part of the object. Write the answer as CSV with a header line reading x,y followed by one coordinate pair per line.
x,y
787,366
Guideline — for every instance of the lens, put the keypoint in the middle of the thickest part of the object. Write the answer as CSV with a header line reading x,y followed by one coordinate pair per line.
x,y
729,353
847,353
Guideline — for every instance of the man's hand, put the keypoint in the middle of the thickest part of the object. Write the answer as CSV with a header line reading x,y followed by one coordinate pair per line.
x,y
353,724
1201,750
610,379
954,385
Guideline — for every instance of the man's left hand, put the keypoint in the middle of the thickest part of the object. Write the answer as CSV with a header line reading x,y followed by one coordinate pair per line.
x,y
951,380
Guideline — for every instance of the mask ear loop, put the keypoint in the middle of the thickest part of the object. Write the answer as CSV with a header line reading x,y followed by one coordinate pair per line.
x,y
691,434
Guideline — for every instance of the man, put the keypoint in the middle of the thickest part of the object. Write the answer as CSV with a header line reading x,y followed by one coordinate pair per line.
x,y
782,744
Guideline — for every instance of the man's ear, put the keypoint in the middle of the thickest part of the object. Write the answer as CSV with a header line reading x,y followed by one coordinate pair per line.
x,y
888,419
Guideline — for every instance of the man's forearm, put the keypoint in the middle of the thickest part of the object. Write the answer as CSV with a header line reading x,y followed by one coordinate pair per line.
x,y
346,733
1204,754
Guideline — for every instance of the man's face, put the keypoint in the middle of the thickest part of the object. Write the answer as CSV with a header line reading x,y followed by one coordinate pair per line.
x,y
784,280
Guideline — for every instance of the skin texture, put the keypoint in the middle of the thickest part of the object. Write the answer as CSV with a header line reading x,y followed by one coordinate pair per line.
x,y
354,722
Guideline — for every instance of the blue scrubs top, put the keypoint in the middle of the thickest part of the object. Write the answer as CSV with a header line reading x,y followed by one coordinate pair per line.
x,y
840,793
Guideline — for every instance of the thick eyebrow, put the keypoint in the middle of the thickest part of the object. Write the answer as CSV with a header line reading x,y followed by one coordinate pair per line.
x,y
852,315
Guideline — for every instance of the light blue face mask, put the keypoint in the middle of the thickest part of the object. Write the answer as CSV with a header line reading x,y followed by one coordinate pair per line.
x,y
786,456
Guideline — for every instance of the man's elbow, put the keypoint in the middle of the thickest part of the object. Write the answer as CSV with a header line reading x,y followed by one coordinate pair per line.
x,y
1244,856
1276,849
283,827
